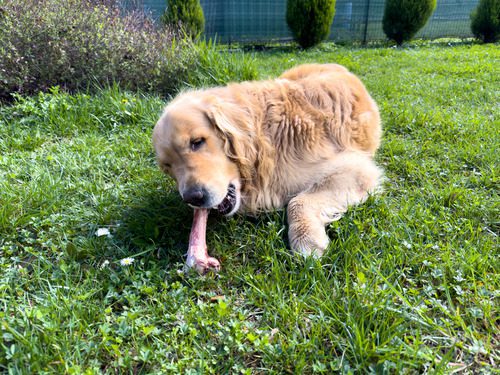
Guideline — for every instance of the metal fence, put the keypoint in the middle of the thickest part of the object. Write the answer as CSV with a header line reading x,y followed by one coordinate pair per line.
x,y
355,20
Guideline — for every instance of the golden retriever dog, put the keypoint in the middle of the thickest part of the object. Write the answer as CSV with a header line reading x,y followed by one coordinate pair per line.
x,y
305,140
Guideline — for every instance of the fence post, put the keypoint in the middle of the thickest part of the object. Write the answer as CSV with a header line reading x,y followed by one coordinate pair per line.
x,y
365,33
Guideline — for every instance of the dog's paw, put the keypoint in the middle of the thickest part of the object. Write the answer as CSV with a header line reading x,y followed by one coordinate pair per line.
x,y
203,265
307,245
308,251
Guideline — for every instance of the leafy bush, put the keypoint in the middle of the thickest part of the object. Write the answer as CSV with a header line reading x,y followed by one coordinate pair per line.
x,y
485,19
187,14
78,44
310,20
404,18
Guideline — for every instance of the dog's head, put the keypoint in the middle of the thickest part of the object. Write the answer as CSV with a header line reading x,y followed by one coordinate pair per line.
x,y
200,146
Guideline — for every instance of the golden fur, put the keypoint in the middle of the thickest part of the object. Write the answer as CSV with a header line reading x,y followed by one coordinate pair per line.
x,y
306,140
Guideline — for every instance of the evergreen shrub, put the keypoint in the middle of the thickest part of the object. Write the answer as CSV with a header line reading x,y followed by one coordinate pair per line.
x,y
187,14
485,21
310,20
404,18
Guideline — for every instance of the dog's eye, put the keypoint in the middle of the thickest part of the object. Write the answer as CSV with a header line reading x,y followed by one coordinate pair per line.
x,y
196,143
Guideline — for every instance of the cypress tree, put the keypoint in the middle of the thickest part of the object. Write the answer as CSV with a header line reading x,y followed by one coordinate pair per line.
x,y
310,20
485,21
404,18
188,14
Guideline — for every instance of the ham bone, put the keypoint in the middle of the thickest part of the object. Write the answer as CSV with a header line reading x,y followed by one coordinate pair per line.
x,y
197,254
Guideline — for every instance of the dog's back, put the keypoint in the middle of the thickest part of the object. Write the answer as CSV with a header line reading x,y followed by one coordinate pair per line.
x,y
336,92
303,71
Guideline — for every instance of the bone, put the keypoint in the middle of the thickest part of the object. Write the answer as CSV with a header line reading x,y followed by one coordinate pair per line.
x,y
197,254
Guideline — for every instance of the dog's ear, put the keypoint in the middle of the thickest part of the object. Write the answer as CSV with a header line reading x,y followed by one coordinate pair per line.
x,y
236,128
244,140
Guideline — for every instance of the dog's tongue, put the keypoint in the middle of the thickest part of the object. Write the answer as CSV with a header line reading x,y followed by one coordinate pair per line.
x,y
197,255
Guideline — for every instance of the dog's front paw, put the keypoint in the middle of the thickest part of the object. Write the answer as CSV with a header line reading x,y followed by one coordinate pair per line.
x,y
307,242
307,249
203,265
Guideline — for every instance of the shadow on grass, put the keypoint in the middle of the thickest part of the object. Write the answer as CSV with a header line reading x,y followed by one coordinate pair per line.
x,y
155,227
157,222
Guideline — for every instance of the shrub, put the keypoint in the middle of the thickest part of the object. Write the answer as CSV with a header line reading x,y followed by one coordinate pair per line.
x,y
187,14
485,21
404,18
78,44
310,20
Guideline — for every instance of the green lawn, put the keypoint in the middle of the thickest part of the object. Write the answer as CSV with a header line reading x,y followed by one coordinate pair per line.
x,y
410,284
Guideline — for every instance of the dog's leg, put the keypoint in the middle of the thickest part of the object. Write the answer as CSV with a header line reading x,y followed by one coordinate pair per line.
x,y
353,176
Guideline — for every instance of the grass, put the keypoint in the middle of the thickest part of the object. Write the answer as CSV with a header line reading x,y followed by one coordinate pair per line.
x,y
410,283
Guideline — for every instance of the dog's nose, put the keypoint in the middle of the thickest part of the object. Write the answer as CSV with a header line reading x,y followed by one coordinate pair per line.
x,y
195,196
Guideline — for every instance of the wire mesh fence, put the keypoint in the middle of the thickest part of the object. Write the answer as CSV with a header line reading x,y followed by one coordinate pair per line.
x,y
258,21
